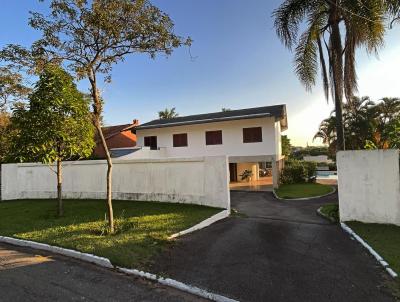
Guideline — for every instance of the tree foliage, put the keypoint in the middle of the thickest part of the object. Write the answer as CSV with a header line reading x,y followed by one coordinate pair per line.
x,y
332,33
90,37
56,124
286,146
12,87
5,135
368,124
168,113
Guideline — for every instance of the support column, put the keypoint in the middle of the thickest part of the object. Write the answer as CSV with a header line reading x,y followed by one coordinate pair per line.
x,y
275,174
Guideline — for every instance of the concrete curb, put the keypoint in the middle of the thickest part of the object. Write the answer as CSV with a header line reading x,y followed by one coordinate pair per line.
x,y
101,261
205,223
106,263
305,198
320,213
178,285
378,257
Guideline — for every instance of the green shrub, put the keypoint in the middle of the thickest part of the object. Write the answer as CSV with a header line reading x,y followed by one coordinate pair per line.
x,y
332,167
298,171
311,169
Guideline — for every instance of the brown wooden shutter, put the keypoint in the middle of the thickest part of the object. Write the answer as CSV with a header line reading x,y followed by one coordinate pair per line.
x,y
180,140
214,137
252,135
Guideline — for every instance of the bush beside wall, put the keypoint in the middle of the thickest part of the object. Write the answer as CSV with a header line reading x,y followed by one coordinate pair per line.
x,y
298,171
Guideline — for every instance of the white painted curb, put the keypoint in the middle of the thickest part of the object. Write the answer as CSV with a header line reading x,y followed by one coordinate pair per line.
x,y
205,223
178,285
101,261
305,198
378,257
104,262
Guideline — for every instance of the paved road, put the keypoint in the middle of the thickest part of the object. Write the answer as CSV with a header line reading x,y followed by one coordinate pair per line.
x,y
282,251
28,275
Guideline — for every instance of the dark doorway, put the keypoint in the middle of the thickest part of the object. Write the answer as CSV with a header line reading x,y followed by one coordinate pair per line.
x,y
232,172
150,141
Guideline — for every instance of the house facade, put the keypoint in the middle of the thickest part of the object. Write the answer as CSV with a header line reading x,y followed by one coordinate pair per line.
x,y
251,138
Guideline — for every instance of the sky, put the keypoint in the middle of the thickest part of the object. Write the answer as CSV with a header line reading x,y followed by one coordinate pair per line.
x,y
236,61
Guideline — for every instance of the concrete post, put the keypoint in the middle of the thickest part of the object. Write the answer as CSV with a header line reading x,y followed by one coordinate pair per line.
x,y
275,174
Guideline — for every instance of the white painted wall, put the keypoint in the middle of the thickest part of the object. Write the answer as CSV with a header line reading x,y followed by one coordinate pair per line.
x,y
232,138
369,186
317,158
200,180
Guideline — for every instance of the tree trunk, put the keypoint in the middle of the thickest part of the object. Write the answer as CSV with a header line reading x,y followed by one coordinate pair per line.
x,y
337,75
109,176
97,110
59,189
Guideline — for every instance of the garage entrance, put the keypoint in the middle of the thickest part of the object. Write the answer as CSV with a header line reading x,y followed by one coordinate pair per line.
x,y
251,176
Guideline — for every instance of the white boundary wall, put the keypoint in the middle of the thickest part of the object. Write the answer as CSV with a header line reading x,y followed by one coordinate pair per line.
x,y
201,180
369,186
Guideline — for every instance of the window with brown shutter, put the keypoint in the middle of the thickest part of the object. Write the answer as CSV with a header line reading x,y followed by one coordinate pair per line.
x,y
252,135
214,137
180,140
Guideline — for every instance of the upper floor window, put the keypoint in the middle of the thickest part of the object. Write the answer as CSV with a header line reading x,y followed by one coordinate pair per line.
x,y
252,135
180,140
214,137
150,141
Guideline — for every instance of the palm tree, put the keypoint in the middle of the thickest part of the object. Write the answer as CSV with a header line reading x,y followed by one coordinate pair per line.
x,y
327,133
394,11
365,123
359,121
387,112
334,30
167,113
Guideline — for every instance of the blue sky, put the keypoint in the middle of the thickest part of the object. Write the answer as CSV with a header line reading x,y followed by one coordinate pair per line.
x,y
238,62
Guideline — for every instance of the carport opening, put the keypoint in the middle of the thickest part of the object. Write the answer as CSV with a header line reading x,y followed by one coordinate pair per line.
x,y
251,176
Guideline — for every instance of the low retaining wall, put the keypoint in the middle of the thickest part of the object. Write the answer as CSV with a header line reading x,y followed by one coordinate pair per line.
x,y
201,180
369,186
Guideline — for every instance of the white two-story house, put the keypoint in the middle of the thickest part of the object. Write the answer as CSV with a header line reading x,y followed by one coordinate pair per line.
x,y
251,138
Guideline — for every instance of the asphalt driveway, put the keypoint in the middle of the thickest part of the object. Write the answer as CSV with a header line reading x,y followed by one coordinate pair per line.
x,y
29,275
281,251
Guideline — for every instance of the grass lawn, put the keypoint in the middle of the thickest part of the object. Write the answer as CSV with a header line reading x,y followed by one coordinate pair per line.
x,y
331,210
384,238
142,228
302,190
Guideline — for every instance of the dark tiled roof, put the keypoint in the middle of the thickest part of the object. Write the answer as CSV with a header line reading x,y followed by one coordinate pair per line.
x,y
277,111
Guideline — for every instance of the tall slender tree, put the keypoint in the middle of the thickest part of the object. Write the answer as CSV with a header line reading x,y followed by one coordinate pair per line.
x,y
334,30
92,36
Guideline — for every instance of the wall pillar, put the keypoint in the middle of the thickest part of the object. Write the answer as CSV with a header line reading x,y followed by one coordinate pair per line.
x,y
275,173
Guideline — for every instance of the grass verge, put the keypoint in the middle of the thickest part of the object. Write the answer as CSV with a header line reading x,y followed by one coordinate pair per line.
x,y
331,210
383,238
142,228
302,190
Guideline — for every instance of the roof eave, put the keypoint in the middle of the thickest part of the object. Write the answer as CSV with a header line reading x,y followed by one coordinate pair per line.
x,y
204,121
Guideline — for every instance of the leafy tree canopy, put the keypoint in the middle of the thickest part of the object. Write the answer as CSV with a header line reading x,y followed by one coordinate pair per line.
x,y
56,124
12,87
367,124
286,146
